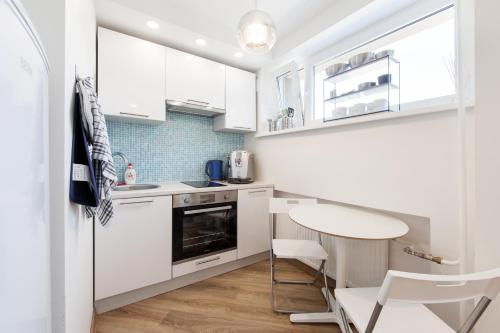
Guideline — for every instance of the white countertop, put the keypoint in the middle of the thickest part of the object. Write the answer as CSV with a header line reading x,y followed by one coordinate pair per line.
x,y
171,188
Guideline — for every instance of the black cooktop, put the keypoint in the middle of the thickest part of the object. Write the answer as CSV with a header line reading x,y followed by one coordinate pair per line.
x,y
203,183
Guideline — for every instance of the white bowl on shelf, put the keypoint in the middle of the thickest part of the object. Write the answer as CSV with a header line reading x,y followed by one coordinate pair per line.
x,y
366,85
361,59
381,103
358,109
385,53
340,112
371,107
377,105
337,68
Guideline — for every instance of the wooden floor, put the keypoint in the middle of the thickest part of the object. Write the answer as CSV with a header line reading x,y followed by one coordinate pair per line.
x,y
237,301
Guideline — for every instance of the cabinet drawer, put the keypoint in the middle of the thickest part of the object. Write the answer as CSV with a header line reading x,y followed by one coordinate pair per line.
x,y
202,263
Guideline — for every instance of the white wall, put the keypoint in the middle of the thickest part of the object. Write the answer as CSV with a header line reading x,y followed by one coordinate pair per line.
x,y
487,158
80,52
405,165
67,29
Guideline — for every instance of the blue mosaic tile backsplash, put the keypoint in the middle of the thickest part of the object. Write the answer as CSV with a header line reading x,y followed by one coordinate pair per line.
x,y
172,151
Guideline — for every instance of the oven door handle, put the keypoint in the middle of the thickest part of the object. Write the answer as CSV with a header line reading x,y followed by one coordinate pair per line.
x,y
207,210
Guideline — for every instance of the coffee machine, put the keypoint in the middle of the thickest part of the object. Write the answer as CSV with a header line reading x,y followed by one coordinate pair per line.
x,y
241,167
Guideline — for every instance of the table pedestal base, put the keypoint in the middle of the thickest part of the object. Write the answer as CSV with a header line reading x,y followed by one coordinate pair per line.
x,y
332,317
315,318
343,223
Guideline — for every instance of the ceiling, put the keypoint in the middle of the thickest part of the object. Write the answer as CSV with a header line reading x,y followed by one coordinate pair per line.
x,y
219,18
214,20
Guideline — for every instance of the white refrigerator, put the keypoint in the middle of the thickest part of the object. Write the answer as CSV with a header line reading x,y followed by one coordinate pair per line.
x,y
24,197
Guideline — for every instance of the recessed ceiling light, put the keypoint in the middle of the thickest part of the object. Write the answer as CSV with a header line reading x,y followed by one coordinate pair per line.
x,y
201,42
238,54
153,25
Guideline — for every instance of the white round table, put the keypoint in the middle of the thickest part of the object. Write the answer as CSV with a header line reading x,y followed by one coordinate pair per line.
x,y
343,223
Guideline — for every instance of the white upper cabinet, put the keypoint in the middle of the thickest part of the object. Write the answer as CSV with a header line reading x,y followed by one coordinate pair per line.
x,y
137,77
240,102
194,80
131,76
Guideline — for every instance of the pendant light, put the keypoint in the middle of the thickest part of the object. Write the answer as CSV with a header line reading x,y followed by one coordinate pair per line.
x,y
256,32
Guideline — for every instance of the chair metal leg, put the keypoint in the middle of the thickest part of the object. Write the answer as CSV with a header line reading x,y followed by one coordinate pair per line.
x,y
345,321
374,317
272,280
322,269
329,306
475,315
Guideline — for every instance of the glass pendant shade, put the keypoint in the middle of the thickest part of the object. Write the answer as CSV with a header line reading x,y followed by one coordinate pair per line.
x,y
256,32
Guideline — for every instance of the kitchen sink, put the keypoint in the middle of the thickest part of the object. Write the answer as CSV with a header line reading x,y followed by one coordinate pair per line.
x,y
135,187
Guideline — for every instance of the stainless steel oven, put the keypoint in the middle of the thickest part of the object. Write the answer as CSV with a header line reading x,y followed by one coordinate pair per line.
x,y
203,224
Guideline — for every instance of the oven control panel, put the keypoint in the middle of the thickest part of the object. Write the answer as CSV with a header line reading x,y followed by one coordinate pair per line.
x,y
204,198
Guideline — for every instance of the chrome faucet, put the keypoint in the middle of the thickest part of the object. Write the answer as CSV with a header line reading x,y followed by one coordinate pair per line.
x,y
123,157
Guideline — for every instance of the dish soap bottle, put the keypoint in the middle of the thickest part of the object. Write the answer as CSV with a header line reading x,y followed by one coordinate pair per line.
x,y
130,175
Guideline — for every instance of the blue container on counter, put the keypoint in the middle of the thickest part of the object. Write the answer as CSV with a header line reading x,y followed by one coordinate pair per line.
x,y
214,169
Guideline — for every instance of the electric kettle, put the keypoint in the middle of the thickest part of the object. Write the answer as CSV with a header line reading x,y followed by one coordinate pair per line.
x,y
214,169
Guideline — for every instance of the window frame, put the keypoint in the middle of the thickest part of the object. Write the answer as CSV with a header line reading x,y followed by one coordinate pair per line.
x,y
309,95
291,69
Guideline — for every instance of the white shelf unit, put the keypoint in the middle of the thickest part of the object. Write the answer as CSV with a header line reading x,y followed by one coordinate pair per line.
x,y
347,93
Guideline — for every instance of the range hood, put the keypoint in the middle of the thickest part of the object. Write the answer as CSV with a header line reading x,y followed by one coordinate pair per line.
x,y
194,108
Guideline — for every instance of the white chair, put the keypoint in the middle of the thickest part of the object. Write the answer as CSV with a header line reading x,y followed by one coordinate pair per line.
x,y
398,306
293,248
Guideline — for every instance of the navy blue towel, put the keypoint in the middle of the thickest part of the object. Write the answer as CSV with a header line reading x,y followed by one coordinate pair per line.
x,y
82,192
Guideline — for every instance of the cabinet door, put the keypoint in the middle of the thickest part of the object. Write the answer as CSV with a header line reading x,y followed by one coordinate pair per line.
x,y
131,76
240,102
194,80
240,99
253,221
136,249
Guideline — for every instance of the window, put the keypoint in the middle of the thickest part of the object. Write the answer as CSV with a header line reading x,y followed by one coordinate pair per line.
x,y
285,88
288,102
426,52
286,93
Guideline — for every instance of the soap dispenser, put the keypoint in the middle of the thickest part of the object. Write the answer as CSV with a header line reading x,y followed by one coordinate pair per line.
x,y
130,175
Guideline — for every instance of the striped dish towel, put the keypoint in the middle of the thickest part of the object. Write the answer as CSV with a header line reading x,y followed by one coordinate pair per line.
x,y
97,133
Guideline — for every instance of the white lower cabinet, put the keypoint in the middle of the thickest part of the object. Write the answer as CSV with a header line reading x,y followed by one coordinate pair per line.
x,y
253,221
136,249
